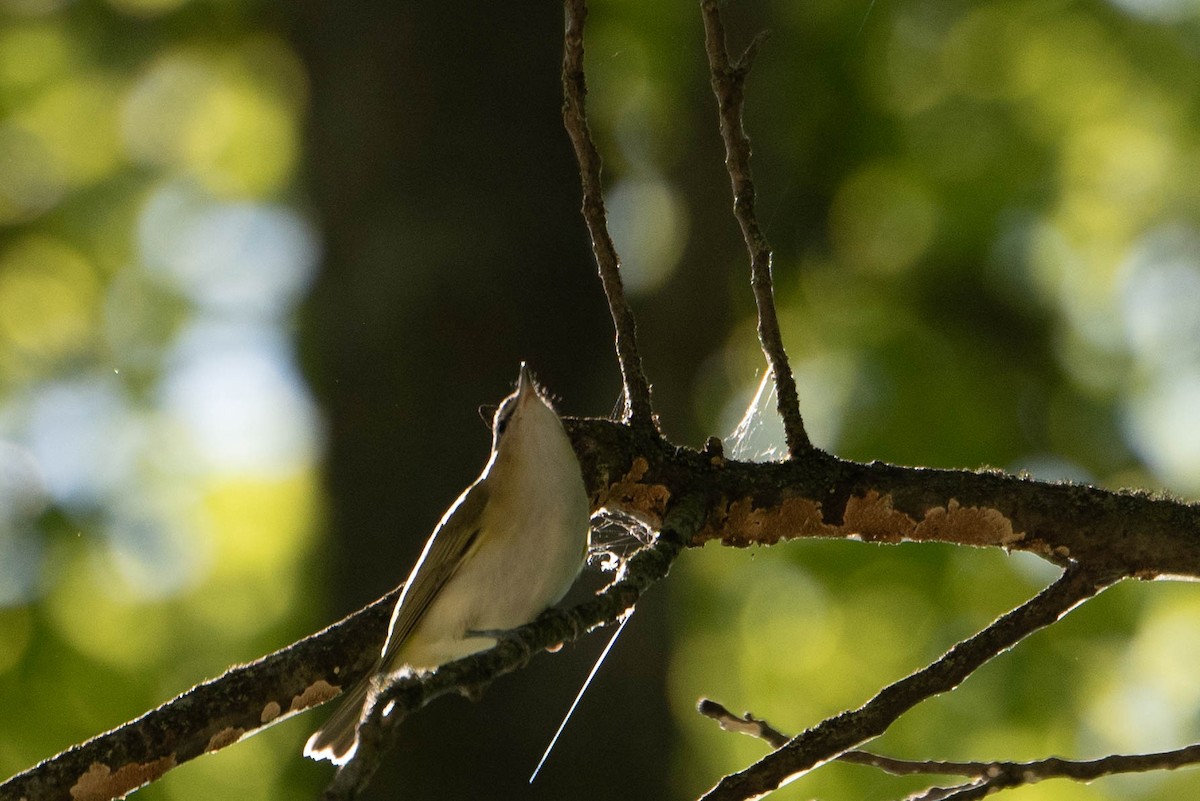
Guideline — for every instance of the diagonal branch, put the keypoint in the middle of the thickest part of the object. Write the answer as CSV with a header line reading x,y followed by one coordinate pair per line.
x,y
638,410
211,715
839,734
251,697
407,693
728,81
960,792
987,776
638,474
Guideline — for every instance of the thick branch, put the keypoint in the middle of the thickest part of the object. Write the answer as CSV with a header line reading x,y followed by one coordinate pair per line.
x,y
251,697
211,715
728,81
839,734
741,503
822,496
638,410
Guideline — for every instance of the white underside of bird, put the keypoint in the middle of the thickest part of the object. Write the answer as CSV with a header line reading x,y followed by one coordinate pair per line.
x,y
508,548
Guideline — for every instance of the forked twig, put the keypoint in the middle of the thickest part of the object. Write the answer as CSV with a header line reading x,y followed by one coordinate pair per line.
x,y
638,410
986,777
997,776
728,81
836,735
745,724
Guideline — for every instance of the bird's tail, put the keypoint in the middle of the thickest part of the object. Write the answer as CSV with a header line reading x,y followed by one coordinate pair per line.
x,y
337,740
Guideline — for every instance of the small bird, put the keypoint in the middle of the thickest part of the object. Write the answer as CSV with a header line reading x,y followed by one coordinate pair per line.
x,y
506,550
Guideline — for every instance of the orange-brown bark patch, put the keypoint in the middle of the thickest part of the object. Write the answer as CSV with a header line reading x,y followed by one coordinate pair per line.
x,y
226,736
648,502
101,782
318,692
966,525
740,524
873,518
270,712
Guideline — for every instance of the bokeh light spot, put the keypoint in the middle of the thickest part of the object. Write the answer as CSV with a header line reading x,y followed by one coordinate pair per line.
x,y
105,619
48,292
31,53
1160,297
83,440
31,181
882,220
232,134
77,121
1162,426
649,224
235,258
236,392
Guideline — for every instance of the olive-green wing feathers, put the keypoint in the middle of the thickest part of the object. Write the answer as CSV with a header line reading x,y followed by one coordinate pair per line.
x,y
449,546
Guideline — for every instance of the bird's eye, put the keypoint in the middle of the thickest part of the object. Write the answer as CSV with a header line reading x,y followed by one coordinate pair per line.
x,y
502,417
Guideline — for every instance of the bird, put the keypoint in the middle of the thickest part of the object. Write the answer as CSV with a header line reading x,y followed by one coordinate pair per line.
x,y
507,549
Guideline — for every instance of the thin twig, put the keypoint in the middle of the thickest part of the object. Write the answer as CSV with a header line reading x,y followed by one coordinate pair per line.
x,y
472,675
728,82
914,767
839,734
638,410
746,724
989,776
959,792
997,776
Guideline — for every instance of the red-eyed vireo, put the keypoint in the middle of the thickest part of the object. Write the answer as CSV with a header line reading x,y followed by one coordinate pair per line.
x,y
507,549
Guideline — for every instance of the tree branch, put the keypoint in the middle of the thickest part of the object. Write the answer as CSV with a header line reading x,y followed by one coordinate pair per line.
x,y
988,777
211,715
639,412
746,724
472,675
728,82
737,503
839,734
248,698
1134,533
997,776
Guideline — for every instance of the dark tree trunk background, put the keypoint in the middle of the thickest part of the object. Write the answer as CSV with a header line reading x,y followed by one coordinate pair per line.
x,y
448,197
939,183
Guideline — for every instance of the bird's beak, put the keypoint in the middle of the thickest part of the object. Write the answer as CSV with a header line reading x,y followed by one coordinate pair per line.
x,y
525,387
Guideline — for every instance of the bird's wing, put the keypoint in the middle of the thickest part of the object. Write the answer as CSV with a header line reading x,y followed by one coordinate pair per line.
x,y
447,549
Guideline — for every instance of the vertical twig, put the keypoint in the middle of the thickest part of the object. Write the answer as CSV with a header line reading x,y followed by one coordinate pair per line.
x,y
638,410
728,81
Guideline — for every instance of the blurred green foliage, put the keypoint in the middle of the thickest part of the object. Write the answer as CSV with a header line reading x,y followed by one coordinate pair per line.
x,y
987,233
158,450
1002,267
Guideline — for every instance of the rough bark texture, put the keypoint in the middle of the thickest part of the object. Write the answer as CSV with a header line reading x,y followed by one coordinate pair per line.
x,y
823,496
1108,534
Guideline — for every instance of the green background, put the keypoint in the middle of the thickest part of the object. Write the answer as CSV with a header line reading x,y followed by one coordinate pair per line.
x,y
260,262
